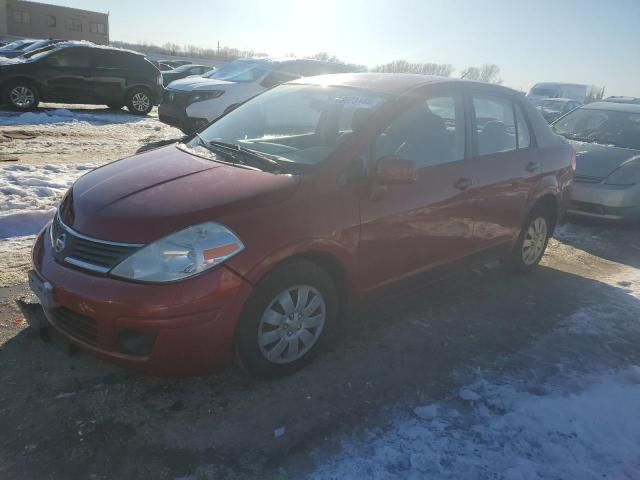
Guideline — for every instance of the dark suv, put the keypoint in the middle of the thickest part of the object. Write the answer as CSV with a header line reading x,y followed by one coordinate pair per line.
x,y
77,72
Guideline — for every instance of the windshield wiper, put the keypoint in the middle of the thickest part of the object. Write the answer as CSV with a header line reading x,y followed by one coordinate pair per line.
x,y
270,164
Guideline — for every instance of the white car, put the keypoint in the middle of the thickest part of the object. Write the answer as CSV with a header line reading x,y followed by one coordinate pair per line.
x,y
191,103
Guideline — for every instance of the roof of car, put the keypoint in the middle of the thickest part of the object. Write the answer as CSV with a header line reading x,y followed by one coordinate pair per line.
x,y
84,43
389,83
615,107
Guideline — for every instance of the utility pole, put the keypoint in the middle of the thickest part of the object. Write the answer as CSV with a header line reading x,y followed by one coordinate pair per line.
x,y
218,49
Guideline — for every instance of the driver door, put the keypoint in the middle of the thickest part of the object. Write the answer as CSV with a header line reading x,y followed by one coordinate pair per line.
x,y
415,228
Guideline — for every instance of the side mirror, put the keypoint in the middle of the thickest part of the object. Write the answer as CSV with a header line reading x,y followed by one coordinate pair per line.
x,y
393,170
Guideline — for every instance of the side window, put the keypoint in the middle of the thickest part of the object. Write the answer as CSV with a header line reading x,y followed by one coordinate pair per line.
x,y
524,137
70,57
495,124
276,78
429,133
107,59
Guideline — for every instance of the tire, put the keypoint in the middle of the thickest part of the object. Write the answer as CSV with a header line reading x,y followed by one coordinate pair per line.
x,y
532,242
21,95
115,106
139,101
276,338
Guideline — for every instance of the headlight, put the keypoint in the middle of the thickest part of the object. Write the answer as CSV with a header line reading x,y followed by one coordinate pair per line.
x,y
627,174
181,254
202,96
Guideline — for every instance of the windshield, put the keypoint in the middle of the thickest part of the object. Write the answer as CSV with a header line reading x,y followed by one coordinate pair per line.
x,y
183,68
554,104
40,52
18,45
296,124
241,71
37,45
621,129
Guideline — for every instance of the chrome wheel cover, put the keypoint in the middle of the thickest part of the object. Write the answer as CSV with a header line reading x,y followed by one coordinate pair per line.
x,y
22,97
291,324
141,101
534,241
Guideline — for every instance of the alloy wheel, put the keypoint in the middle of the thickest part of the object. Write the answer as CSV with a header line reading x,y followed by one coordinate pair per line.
x,y
291,324
22,97
534,241
141,101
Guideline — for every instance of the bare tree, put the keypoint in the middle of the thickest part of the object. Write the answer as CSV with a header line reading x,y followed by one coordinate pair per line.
x,y
326,57
403,66
486,73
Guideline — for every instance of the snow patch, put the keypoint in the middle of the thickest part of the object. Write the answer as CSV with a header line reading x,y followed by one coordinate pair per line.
x,y
569,411
64,116
29,195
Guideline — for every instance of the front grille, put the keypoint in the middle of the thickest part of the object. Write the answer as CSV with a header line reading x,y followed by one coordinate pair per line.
x,y
90,254
76,325
586,179
177,98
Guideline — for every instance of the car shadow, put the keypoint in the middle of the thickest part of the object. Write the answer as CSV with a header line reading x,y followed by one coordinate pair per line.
x,y
616,242
75,414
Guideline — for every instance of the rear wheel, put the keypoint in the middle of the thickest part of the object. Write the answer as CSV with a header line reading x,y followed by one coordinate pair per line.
x,y
139,101
532,242
286,320
21,96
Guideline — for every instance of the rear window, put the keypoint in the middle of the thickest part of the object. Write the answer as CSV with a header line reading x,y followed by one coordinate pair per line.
x,y
495,124
109,59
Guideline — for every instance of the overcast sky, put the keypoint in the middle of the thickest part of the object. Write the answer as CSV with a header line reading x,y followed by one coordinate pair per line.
x,y
584,41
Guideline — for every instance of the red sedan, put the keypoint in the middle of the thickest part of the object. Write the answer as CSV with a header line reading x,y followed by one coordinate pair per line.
x,y
258,234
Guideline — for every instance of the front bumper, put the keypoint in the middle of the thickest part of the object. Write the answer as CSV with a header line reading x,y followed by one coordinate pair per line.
x,y
606,202
190,324
173,111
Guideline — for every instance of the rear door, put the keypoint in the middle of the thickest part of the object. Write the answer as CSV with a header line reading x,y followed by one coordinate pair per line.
x,y
414,228
67,74
506,166
108,78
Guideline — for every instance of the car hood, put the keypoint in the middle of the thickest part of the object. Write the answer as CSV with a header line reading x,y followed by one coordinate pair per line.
x,y
599,161
148,196
199,83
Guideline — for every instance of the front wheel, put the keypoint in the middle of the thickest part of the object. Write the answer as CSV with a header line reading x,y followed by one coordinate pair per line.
x,y
21,96
139,101
286,320
532,242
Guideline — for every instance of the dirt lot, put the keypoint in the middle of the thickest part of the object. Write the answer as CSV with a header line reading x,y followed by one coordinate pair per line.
x,y
72,416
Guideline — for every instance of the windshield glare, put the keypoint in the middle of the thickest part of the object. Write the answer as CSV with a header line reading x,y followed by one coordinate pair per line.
x,y
182,68
14,45
240,71
296,124
553,104
621,129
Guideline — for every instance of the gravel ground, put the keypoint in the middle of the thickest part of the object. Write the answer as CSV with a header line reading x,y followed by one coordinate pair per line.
x,y
415,386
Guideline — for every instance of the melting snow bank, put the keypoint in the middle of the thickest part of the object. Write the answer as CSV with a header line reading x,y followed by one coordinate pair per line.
x,y
569,410
64,116
30,193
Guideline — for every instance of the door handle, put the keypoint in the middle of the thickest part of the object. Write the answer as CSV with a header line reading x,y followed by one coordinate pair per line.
x,y
463,183
531,167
